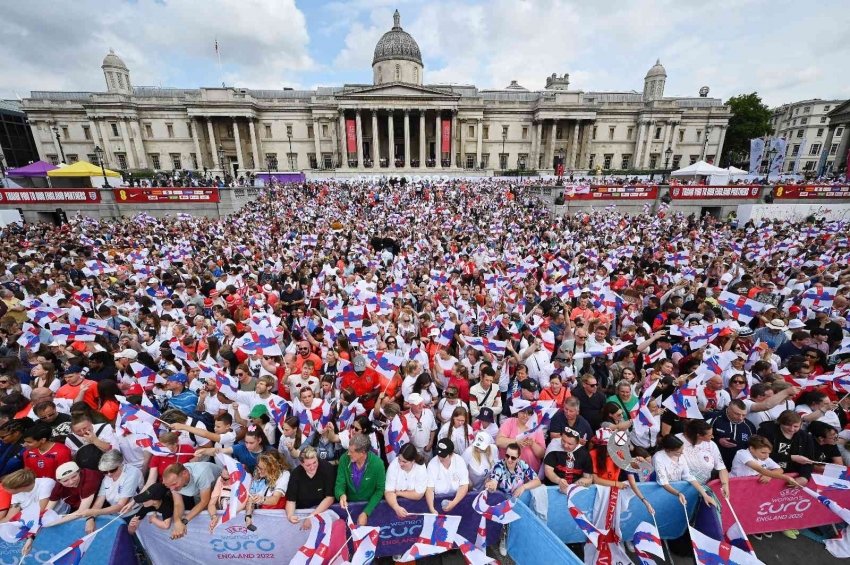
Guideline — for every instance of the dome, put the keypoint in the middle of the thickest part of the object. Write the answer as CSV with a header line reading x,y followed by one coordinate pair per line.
x,y
397,44
514,86
113,60
657,70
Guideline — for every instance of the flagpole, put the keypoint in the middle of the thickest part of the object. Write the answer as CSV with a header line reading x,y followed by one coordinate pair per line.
x,y
688,524
738,522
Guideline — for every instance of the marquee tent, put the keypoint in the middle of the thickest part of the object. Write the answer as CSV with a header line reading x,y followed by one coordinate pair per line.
x,y
81,169
33,175
82,174
715,175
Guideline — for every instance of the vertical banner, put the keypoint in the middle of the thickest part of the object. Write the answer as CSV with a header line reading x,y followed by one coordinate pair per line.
x,y
446,144
799,154
351,135
756,153
822,161
779,146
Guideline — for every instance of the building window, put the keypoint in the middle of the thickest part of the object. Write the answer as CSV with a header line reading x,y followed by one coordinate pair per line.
x,y
87,132
271,161
823,120
804,121
833,149
114,128
681,135
92,158
72,158
65,132
559,133
503,161
267,131
795,150
309,132
607,159
807,110
677,159
311,158
699,135
288,131
826,108
522,161
122,161
794,123
486,132
796,111
693,159
839,132
155,160
471,131
415,75
814,149
829,165
175,161
324,130
194,158
149,131
170,128
292,159
799,133
228,131
54,160
820,132
653,160
504,131
630,132
611,132
594,133
525,133
591,161
710,159
657,134
809,166
627,160
485,160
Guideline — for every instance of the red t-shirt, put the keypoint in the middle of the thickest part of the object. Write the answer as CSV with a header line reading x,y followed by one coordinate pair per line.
x,y
70,392
160,462
89,485
462,387
362,384
44,465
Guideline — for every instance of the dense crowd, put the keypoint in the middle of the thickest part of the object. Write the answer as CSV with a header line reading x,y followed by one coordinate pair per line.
x,y
305,334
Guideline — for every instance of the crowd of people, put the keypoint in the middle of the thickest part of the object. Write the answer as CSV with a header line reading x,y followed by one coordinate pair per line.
x,y
506,344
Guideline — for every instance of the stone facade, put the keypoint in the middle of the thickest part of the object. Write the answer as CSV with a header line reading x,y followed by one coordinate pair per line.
x,y
809,120
394,124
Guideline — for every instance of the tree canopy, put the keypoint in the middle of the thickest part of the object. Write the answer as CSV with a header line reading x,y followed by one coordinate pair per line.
x,y
750,118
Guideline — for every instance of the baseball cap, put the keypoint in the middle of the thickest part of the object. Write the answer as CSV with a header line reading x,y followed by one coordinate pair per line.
x,y
602,435
359,363
267,287
153,280
415,399
745,331
795,309
482,440
135,389
178,378
445,447
127,354
485,415
796,324
66,470
258,410
530,385
156,491
434,332
72,370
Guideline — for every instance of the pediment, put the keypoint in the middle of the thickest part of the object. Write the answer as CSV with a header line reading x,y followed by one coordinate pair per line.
x,y
398,90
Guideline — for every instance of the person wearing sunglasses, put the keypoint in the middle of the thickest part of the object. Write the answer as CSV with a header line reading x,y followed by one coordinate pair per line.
x,y
120,483
591,400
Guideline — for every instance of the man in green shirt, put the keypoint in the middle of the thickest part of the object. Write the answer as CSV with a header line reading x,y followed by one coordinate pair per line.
x,y
360,477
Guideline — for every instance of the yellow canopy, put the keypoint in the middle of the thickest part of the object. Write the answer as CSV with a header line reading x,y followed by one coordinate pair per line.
x,y
81,169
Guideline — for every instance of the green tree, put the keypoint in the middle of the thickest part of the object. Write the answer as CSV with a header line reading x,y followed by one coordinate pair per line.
x,y
750,118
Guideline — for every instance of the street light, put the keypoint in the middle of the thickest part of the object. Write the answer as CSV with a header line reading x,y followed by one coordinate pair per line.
x,y
221,161
271,163
667,155
59,140
99,152
289,155
560,167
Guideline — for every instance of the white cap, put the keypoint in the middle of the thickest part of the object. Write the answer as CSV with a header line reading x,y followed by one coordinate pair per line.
x,y
153,280
65,470
415,399
482,440
796,324
127,354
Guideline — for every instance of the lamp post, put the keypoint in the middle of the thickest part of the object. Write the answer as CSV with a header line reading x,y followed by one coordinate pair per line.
x,y
504,138
99,152
289,155
667,155
221,162
770,155
59,140
271,163
560,167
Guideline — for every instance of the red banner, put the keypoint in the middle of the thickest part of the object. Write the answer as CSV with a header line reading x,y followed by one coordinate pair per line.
x,y
701,192
592,192
812,191
774,506
154,195
351,135
49,196
446,143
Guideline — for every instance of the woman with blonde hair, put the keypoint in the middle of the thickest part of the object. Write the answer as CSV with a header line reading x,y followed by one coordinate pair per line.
x,y
268,489
481,457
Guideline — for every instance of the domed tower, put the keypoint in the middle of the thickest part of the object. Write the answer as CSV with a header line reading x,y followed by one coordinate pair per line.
x,y
117,74
653,84
397,57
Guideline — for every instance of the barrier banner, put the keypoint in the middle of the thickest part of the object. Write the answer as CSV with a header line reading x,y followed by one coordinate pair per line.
x,y
112,546
701,192
276,540
157,195
594,192
810,191
351,135
774,506
446,143
49,196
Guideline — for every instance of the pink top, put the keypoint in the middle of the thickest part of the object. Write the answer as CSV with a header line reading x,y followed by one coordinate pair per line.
x,y
509,429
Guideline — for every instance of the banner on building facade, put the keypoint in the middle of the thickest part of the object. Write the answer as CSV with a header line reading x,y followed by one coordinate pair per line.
x,y
702,192
351,135
446,143
165,195
774,507
811,191
756,154
49,196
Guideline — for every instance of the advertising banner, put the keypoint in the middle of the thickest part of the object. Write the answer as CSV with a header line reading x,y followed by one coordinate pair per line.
x,y
810,191
774,507
778,146
351,135
446,143
591,192
49,196
112,546
702,192
756,154
157,195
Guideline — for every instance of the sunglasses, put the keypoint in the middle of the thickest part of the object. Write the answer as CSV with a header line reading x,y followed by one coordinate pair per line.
x,y
592,385
737,382
511,457
111,471
4,382
238,374
356,429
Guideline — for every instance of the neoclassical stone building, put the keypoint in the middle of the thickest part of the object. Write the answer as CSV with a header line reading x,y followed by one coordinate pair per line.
x,y
386,127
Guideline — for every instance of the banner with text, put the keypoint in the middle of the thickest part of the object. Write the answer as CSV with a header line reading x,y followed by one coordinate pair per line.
x,y
774,506
701,192
160,195
49,196
351,135
593,192
812,191
446,143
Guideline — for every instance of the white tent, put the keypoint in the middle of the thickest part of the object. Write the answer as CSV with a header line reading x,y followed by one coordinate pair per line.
x,y
715,175
736,171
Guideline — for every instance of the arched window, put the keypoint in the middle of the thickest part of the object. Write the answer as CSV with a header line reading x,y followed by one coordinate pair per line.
x,y
121,81
112,79
397,72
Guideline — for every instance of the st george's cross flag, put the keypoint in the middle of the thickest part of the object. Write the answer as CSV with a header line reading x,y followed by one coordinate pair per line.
x,y
240,486
317,548
708,551
647,540
437,536
502,513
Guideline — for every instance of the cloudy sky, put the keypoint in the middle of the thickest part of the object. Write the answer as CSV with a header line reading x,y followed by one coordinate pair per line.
x,y
785,50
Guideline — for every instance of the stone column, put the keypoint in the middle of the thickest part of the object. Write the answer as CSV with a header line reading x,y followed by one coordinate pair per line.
x,y
108,157
422,145
238,140
538,143
453,147
406,138
650,135
586,138
841,154
479,130
461,147
128,148
376,141
720,145
551,150
254,148
390,139
317,142
343,133
139,144
213,151
638,143
674,125
95,137
335,143
359,122
438,140
830,133
196,137
573,146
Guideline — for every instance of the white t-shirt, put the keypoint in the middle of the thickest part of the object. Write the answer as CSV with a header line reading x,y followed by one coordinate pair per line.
x,y
447,481
721,401
830,418
669,471
419,430
741,469
702,458
127,485
133,454
398,480
479,472
445,408
104,432
41,491
459,437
